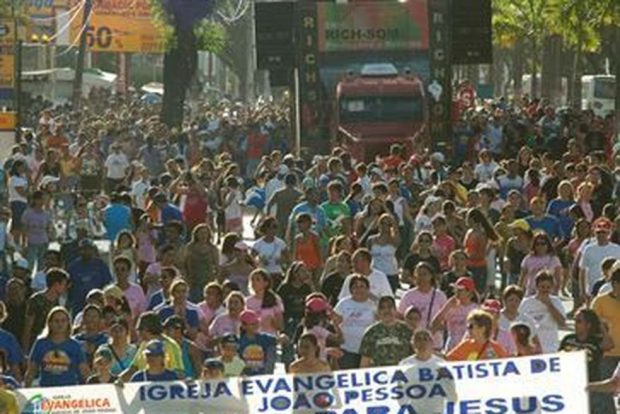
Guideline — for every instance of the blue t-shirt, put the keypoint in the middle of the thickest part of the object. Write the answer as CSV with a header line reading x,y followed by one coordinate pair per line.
x,y
9,382
258,353
58,363
191,315
143,376
86,276
548,224
171,212
116,217
317,213
156,299
559,209
96,340
11,350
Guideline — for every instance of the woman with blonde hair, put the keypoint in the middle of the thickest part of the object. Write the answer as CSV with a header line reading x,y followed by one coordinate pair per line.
x,y
53,349
479,343
583,199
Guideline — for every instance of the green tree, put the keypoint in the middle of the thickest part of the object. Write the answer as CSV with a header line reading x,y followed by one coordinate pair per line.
x,y
181,58
520,23
579,22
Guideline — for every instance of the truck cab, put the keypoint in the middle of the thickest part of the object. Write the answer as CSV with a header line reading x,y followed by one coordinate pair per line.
x,y
376,108
598,93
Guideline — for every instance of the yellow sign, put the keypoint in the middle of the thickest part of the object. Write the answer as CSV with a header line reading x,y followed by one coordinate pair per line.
x,y
121,26
7,121
7,54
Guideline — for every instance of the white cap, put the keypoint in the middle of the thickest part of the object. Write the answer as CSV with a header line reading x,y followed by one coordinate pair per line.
x,y
48,179
438,156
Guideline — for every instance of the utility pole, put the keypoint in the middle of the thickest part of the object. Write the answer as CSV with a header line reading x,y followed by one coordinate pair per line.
x,y
79,67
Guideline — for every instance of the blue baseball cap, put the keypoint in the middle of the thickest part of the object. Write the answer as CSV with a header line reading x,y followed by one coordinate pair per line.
x,y
154,347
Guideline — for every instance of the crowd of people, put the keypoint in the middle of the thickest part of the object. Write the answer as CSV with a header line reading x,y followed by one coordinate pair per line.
x,y
415,256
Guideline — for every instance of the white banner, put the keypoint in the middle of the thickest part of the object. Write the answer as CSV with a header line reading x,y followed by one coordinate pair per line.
x,y
554,383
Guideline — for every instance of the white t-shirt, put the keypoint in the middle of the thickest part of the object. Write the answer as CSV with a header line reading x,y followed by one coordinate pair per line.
x,y
617,376
270,254
379,285
15,182
116,165
432,405
356,318
546,326
592,257
139,190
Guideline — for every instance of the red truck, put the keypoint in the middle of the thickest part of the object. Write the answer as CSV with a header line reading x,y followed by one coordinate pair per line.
x,y
377,108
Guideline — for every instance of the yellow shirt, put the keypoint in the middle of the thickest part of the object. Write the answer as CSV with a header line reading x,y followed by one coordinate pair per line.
x,y
172,354
8,402
608,310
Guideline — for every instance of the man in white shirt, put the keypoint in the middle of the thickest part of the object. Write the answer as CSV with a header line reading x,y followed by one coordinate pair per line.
x,y
593,255
424,357
547,312
379,283
116,167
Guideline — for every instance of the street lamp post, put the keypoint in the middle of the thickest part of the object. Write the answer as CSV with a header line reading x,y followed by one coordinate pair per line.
x,y
79,67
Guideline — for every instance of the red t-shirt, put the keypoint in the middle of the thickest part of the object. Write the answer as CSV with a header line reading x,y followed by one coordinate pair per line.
x,y
256,145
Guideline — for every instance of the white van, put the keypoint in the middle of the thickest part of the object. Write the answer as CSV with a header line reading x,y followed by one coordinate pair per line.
x,y
598,93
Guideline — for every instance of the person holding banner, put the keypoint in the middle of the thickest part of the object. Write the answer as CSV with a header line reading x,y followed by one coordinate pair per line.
x,y
257,349
387,341
425,358
149,328
607,307
155,369
590,336
479,344
546,310
610,385
358,313
56,358
308,361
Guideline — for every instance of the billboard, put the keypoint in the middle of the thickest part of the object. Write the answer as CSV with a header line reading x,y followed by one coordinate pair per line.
x,y
372,26
42,17
7,59
124,26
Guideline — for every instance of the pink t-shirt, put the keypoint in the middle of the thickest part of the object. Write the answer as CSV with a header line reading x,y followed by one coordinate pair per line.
x,y
534,264
442,247
207,314
137,301
266,314
505,339
224,324
422,301
456,324
154,269
146,249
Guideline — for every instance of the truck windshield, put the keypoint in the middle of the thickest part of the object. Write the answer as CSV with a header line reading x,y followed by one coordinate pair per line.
x,y
381,109
605,88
